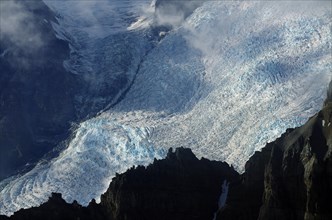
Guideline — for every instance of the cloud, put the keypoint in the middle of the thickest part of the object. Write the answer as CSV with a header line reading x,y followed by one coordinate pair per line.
x,y
238,21
18,26
169,16
174,13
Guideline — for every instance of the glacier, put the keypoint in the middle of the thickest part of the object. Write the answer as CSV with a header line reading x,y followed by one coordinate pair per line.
x,y
82,171
231,78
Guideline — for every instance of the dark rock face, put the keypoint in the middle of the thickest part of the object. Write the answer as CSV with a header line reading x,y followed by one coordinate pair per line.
x,y
36,92
291,178
178,187
56,208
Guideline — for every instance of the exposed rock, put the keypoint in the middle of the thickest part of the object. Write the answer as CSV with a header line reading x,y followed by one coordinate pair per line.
x,y
178,187
56,208
291,178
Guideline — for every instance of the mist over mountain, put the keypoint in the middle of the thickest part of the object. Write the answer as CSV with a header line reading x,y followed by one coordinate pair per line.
x,y
36,91
89,89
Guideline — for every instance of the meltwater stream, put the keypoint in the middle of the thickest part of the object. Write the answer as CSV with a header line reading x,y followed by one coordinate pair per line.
x,y
232,77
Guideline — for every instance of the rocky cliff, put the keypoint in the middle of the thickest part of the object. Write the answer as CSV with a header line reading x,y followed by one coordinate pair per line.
x,y
291,178
57,209
178,187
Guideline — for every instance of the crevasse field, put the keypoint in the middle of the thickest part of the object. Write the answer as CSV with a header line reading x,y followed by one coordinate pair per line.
x,y
223,82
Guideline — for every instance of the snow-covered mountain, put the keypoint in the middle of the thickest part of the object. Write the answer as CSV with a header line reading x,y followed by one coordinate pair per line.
x,y
224,81
104,51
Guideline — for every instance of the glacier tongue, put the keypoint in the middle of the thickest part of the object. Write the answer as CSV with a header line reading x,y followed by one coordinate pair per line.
x,y
233,77
84,170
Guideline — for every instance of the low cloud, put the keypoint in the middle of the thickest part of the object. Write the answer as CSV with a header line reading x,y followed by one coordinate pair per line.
x,y
174,13
169,16
236,21
18,26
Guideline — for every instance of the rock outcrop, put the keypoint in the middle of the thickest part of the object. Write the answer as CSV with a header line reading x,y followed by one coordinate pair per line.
x,y
291,178
178,187
56,208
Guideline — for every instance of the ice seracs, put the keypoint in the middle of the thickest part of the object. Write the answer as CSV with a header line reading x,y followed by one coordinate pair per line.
x,y
100,149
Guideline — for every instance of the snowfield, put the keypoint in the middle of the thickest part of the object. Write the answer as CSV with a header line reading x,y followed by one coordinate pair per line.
x,y
231,78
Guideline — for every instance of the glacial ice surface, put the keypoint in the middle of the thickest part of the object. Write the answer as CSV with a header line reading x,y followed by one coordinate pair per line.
x,y
84,170
232,77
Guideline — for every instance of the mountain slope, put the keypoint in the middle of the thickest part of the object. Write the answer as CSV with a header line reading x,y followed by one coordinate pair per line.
x,y
226,80
36,92
231,78
291,178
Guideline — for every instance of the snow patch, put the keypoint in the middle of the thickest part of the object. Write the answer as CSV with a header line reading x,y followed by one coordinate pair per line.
x,y
141,23
223,197
224,194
